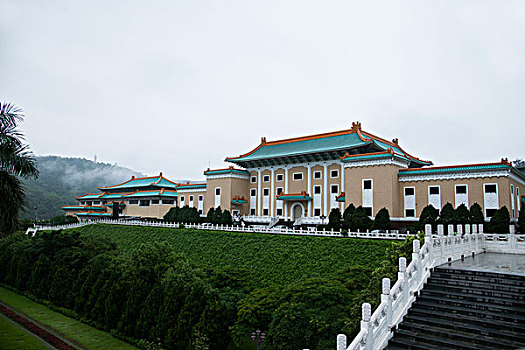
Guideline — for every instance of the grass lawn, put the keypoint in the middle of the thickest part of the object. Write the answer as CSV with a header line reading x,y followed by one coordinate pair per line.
x,y
13,337
88,336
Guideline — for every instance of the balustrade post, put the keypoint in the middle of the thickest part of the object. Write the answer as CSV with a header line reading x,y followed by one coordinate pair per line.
x,y
416,246
450,230
428,230
474,228
480,228
512,229
366,324
341,342
460,230
467,229
401,275
441,230
387,298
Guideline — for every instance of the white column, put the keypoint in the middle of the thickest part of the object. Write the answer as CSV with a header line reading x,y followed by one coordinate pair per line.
x,y
309,189
285,190
342,186
259,193
325,189
272,192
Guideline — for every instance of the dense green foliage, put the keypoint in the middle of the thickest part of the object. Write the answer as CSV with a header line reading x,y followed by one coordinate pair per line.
x,y
192,286
429,215
500,221
265,259
461,215
446,216
382,220
356,219
476,214
63,220
63,179
184,215
334,219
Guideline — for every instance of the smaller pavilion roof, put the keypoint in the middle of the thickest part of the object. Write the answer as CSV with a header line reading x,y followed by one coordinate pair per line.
x,y
83,207
341,197
191,186
303,196
503,164
239,200
134,183
230,170
159,193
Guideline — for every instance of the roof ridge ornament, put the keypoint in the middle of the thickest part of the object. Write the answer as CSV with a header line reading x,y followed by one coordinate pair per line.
x,y
356,126
395,141
505,161
263,141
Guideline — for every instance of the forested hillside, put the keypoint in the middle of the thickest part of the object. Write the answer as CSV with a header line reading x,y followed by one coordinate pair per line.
x,y
63,179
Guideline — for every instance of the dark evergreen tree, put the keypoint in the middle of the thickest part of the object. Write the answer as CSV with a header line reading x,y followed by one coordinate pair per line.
x,y
476,214
360,220
446,216
382,220
349,211
461,215
429,215
500,221
217,218
334,219
210,217
226,218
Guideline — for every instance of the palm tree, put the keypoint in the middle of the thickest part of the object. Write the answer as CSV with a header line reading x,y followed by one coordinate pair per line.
x,y
16,160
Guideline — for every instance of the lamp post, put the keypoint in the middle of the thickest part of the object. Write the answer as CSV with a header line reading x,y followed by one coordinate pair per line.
x,y
258,337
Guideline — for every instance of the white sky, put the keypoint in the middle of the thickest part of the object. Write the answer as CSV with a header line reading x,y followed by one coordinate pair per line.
x,y
174,86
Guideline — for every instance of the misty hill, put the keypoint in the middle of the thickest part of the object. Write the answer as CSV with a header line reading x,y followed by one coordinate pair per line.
x,y
63,179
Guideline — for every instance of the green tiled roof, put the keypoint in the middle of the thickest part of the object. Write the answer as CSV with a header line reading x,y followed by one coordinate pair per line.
x,y
158,181
341,199
90,196
151,194
227,171
478,167
113,195
373,156
191,186
329,143
93,214
239,201
293,197
82,208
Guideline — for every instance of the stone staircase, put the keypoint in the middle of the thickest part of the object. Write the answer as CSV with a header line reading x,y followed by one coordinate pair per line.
x,y
465,309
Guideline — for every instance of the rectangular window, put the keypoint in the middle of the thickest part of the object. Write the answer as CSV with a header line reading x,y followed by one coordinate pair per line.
x,y
265,212
279,177
253,192
253,179
96,202
409,191
144,203
266,178
201,198
317,212
252,211
266,191
461,189
279,212
367,184
334,189
191,198
317,174
168,201
317,189
154,201
218,191
491,188
88,203
182,199
368,211
410,213
297,176
334,173
133,201
433,190
82,203
279,190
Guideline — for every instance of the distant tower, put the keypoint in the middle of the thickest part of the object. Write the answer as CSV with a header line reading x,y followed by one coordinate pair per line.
x,y
95,158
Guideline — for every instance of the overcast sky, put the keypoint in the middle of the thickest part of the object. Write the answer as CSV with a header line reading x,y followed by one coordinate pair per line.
x,y
174,86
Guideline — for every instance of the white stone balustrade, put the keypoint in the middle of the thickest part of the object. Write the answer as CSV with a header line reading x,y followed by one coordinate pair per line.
x,y
376,330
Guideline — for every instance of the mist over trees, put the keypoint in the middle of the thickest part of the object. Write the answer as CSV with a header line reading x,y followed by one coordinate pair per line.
x,y
62,179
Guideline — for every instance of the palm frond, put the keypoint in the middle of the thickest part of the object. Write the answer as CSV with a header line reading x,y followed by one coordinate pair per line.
x,y
13,201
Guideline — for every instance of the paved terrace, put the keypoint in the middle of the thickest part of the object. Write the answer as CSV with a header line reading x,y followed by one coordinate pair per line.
x,y
513,264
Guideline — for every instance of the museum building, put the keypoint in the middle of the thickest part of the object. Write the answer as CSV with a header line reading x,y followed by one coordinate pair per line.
x,y
302,179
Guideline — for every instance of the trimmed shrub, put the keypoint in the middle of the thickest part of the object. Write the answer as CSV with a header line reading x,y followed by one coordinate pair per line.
x,y
382,220
476,214
461,215
334,219
446,216
521,220
500,221
429,215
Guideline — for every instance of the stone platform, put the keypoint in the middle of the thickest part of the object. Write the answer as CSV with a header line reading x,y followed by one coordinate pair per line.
x,y
513,264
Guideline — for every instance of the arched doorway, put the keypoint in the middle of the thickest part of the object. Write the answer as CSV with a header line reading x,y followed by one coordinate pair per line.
x,y
297,211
